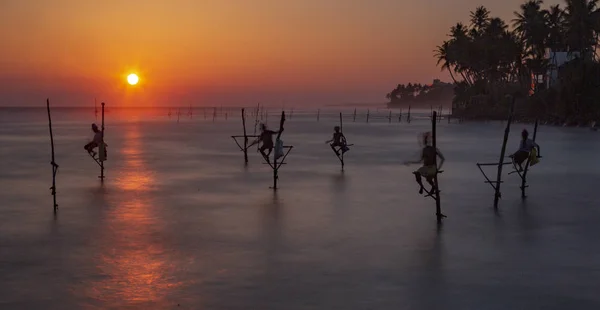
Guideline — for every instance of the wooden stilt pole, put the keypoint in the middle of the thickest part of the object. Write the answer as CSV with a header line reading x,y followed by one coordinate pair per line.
x,y
497,195
354,116
53,163
342,131
103,149
368,115
292,114
438,207
275,165
318,114
390,117
245,136
408,116
400,116
524,176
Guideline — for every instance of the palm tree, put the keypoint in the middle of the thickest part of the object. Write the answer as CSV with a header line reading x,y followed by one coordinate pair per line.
x,y
581,21
460,52
441,53
532,27
555,24
480,19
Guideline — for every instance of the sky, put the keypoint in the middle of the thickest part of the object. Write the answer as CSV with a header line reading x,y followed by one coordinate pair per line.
x,y
225,52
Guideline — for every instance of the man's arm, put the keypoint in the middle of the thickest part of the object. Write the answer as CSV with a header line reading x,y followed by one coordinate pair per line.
x,y
442,159
331,140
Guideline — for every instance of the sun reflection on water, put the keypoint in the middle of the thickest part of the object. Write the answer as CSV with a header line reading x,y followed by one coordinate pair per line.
x,y
133,259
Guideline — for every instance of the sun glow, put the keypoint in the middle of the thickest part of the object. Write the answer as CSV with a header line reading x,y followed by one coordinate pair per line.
x,y
133,79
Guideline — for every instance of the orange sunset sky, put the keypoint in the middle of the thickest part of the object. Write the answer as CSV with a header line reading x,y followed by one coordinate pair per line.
x,y
235,52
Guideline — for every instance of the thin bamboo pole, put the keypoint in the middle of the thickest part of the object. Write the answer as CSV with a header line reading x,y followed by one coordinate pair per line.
x,y
275,165
342,131
245,136
103,148
502,152
438,204
524,176
53,163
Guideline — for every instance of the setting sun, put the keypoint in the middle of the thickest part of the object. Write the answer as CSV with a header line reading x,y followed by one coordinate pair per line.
x,y
132,79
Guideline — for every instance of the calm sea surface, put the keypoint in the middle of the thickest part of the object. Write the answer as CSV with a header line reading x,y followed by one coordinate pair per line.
x,y
181,223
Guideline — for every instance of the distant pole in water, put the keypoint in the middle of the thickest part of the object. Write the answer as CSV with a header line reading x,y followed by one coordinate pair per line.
x,y
400,116
169,114
502,152
368,111
101,148
341,131
438,204
276,165
53,163
245,136
408,116
214,113
354,116
292,113
318,114
524,176
390,117
191,111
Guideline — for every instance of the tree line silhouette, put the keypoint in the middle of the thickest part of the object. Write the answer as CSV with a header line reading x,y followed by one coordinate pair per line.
x,y
419,93
487,59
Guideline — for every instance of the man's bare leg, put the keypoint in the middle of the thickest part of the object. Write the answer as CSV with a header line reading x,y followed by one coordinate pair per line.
x,y
419,181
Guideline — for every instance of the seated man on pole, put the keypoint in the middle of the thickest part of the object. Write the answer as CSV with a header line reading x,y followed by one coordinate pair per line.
x,y
526,147
338,141
96,142
266,138
428,170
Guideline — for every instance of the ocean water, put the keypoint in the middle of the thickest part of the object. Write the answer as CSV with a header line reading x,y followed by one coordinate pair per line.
x,y
181,223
